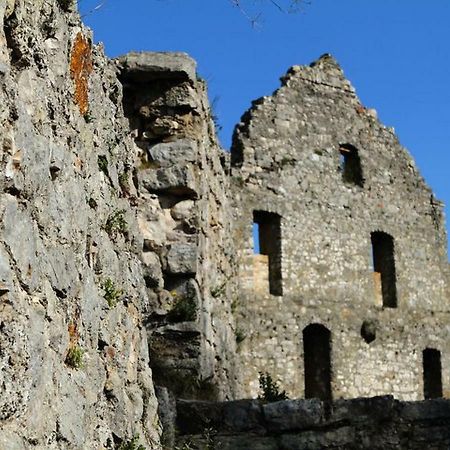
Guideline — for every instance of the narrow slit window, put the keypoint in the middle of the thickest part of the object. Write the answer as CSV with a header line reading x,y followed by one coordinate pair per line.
x,y
384,268
432,374
267,241
350,165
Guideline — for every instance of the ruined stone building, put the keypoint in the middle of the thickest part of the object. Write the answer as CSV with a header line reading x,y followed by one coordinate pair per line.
x,y
348,296
141,264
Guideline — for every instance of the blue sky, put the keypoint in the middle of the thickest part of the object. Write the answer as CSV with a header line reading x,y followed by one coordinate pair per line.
x,y
395,52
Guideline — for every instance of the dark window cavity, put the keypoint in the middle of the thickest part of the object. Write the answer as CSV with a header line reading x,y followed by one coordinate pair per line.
x,y
350,165
317,359
384,267
267,241
432,373
369,331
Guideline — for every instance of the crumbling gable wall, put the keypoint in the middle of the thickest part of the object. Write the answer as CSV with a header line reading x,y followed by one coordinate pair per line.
x,y
346,191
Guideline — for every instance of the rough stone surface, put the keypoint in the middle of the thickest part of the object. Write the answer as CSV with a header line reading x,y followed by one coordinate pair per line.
x,y
56,250
183,213
150,66
127,261
373,423
286,159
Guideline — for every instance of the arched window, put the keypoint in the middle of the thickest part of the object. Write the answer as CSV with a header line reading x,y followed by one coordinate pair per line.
x,y
432,373
350,165
384,267
317,360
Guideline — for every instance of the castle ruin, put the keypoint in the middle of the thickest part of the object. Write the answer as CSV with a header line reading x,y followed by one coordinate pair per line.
x,y
148,277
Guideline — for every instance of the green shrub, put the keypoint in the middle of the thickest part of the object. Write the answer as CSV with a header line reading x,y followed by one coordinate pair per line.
x,y
184,310
124,182
102,162
131,445
116,223
240,336
270,389
111,295
74,357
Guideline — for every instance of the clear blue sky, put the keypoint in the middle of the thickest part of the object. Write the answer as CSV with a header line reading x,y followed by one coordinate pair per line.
x,y
395,52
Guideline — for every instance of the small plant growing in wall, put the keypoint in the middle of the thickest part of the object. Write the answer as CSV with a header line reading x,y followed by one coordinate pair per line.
x,y
102,162
219,290
131,445
240,336
74,357
116,223
184,310
111,293
186,446
270,389
88,118
124,182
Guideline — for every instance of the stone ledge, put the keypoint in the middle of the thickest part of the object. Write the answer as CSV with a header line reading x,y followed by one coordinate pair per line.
x,y
148,66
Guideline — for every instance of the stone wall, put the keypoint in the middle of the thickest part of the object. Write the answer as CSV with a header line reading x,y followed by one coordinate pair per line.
x,y
126,249
287,160
185,225
380,423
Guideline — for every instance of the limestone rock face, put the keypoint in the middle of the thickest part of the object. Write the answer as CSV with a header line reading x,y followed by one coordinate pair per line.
x,y
74,368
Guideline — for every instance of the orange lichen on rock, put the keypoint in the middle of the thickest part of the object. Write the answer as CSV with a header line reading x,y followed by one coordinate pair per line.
x,y
80,70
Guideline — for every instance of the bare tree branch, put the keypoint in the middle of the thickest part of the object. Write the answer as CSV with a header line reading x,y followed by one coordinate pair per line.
x,y
100,5
284,6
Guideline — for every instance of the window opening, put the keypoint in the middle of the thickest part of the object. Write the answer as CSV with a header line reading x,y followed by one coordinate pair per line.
x,y
267,241
384,268
432,374
350,165
317,360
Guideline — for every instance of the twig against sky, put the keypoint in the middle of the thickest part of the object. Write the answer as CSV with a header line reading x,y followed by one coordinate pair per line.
x,y
284,6
100,5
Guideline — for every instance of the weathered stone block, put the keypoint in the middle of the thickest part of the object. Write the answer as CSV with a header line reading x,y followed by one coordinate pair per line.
x,y
363,409
243,415
148,66
167,154
293,415
246,442
342,438
152,270
427,410
183,210
175,180
182,259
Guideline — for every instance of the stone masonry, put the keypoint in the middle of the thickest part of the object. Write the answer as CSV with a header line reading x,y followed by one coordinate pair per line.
x,y
288,159
379,423
185,225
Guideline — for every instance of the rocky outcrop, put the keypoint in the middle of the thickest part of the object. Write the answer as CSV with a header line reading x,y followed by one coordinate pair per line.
x,y
74,367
